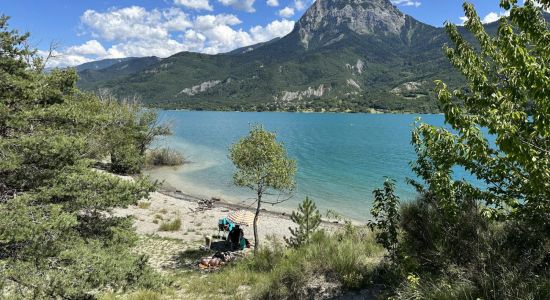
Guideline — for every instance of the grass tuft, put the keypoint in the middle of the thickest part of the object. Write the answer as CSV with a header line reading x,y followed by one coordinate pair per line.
x,y
164,157
173,225
144,204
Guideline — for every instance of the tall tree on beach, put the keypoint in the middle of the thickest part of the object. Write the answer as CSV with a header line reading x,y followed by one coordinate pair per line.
x,y
262,166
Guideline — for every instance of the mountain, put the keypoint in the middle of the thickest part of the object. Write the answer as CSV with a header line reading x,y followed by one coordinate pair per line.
x,y
110,69
342,55
101,64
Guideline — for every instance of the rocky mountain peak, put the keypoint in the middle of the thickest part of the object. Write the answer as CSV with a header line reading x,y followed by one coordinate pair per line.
x,y
328,21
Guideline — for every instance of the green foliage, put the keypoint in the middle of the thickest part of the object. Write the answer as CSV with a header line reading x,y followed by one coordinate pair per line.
x,y
129,134
335,262
508,96
308,219
164,157
261,162
385,212
262,165
58,235
470,240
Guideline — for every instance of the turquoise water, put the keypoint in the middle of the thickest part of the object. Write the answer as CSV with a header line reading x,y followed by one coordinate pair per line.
x,y
341,158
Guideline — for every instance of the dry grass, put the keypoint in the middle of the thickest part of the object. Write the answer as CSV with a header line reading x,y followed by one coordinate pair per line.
x,y
173,225
144,204
164,157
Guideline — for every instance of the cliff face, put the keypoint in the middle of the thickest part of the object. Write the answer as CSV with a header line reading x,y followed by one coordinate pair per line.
x,y
327,20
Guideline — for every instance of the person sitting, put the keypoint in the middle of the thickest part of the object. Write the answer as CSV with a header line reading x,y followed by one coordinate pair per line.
x,y
235,236
224,225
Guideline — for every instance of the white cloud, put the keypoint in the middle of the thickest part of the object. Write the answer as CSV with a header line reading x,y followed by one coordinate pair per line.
x,y
209,21
299,5
195,4
245,5
286,12
91,47
134,22
140,48
60,59
136,31
223,38
490,18
463,20
406,3
272,3
272,30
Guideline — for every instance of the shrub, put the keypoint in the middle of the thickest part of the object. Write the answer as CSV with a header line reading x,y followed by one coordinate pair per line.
x,y
385,212
173,225
144,204
308,219
164,157
341,261
467,256
126,159
347,258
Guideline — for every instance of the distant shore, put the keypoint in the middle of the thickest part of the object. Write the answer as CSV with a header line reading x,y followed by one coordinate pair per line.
x,y
369,112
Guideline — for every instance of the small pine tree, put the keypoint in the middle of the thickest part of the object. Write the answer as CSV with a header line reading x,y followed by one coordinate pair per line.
x,y
308,219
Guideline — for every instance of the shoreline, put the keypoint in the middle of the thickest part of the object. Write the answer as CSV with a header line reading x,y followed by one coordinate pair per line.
x,y
374,112
170,190
220,202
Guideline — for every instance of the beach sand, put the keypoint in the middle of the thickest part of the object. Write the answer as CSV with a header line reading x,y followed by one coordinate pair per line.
x,y
167,249
197,223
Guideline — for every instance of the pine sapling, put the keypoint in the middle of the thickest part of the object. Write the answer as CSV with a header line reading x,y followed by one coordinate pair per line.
x,y
308,219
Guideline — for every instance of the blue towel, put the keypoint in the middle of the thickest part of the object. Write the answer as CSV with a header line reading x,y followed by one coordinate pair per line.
x,y
225,221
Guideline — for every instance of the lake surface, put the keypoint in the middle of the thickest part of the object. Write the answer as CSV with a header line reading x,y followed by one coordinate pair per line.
x,y
341,158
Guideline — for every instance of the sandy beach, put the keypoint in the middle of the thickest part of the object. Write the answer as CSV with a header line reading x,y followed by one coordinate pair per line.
x,y
196,223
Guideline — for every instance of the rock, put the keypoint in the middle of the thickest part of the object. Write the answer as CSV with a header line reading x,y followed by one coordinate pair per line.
x,y
324,19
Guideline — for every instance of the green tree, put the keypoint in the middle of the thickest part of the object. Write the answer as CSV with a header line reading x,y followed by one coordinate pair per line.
x,y
385,212
130,132
308,219
500,133
262,165
58,235
507,94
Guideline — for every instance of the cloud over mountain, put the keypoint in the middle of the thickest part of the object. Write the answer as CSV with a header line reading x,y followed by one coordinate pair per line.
x,y
137,31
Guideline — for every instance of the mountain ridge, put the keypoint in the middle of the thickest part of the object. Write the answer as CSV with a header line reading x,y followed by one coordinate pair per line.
x,y
345,55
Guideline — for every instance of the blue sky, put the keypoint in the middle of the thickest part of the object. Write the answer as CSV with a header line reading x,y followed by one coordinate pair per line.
x,y
86,30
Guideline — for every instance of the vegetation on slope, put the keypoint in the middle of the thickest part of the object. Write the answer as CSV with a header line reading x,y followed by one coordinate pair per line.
x,y
58,236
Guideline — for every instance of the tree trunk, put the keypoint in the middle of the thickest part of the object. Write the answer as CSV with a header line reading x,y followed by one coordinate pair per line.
x,y
255,225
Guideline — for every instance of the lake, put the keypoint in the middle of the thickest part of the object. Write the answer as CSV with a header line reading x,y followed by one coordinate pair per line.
x,y
341,158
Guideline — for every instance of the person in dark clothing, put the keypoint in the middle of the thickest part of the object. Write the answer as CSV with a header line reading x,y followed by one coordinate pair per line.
x,y
235,236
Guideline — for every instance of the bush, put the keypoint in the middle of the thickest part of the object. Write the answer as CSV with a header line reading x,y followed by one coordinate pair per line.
x,y
333,262
126,159
308,219
173,225
466,256
164,157
144,204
